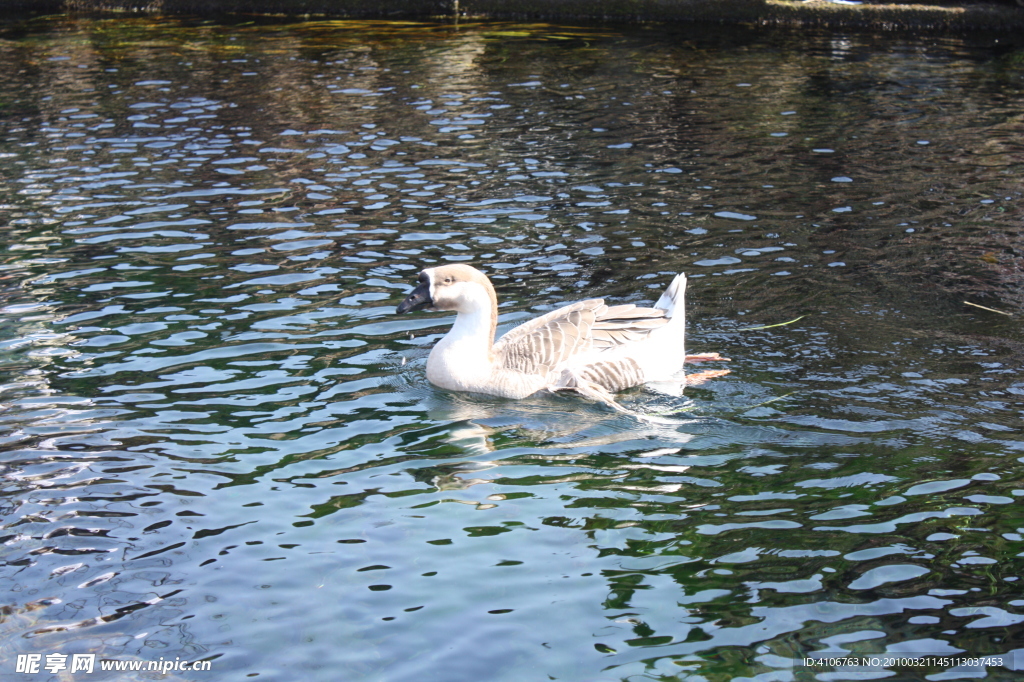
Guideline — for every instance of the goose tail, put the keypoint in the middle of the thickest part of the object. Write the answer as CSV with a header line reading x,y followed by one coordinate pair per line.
x,y
662,356
674,297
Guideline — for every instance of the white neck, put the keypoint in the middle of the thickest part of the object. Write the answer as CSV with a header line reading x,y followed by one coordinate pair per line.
x,y
463,357
472,327
473,330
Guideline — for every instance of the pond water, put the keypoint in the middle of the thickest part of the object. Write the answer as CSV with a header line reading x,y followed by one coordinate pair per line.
x,y
219,442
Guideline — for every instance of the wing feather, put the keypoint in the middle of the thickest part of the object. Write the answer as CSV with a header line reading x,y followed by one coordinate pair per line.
x,y
537,346
542,344
612,375
629,311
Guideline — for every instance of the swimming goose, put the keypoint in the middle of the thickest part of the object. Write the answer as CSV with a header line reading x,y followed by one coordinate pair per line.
x,y
589,347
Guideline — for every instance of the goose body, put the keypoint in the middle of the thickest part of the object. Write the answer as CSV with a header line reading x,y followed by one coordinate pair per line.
x,y
588,346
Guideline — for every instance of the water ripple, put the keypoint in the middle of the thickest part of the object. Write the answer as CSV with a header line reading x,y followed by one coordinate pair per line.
x,y
202,380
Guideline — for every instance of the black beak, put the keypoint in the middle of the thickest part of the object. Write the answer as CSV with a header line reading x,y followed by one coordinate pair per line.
x,y
417,300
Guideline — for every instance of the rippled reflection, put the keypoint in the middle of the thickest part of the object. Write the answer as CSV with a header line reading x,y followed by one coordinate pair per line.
x,y
219,442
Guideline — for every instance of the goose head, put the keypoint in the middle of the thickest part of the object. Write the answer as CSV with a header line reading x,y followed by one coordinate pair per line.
x,y
457,287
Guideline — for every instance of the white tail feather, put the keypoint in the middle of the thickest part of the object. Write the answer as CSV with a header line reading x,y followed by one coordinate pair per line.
x,y
674,296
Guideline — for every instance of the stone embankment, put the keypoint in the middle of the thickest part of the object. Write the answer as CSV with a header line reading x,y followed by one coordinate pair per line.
x,y
1004,16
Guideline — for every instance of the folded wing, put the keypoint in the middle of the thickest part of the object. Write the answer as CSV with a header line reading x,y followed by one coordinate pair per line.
x,y
550,342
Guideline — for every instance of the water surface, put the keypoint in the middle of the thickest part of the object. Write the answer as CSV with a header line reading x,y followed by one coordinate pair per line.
x,y
219,443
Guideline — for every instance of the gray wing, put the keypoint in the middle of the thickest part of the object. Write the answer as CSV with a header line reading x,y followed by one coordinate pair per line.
x,y
537,346
626,324
540,345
